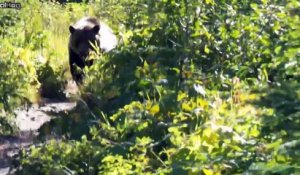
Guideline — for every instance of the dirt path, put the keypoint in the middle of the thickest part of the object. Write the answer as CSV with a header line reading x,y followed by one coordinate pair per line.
x,y
29,120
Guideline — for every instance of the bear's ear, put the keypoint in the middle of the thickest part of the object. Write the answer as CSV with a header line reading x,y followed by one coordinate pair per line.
x,y
71,29
96,28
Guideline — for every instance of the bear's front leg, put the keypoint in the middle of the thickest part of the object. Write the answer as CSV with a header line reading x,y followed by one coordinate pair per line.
x,y
75,60
89,63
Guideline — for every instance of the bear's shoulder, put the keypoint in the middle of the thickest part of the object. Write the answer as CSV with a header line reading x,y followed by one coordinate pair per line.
x,y
86,23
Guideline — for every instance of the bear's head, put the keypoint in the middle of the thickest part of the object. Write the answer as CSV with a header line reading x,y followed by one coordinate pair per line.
x,y
84,37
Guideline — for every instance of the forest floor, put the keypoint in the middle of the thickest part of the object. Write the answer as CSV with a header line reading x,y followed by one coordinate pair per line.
x,y
28,120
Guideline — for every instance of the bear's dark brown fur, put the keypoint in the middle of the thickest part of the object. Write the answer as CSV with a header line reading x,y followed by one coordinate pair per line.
x,y
84,32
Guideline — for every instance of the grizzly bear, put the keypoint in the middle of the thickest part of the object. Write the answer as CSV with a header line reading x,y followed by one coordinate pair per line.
x,y
84,35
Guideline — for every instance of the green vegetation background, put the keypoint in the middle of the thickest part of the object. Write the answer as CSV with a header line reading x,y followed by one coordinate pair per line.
x,y
195,87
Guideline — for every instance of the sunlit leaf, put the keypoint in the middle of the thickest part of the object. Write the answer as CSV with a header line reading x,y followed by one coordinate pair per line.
x,y
154,109
206,49
207,171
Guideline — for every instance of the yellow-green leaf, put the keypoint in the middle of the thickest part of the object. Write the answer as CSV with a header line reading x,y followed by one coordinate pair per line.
x,y
208,172
235,34
154,109
181,95
186,107
206,49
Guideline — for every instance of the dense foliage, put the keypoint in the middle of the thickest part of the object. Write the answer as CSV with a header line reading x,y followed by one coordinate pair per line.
x,y
195,87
